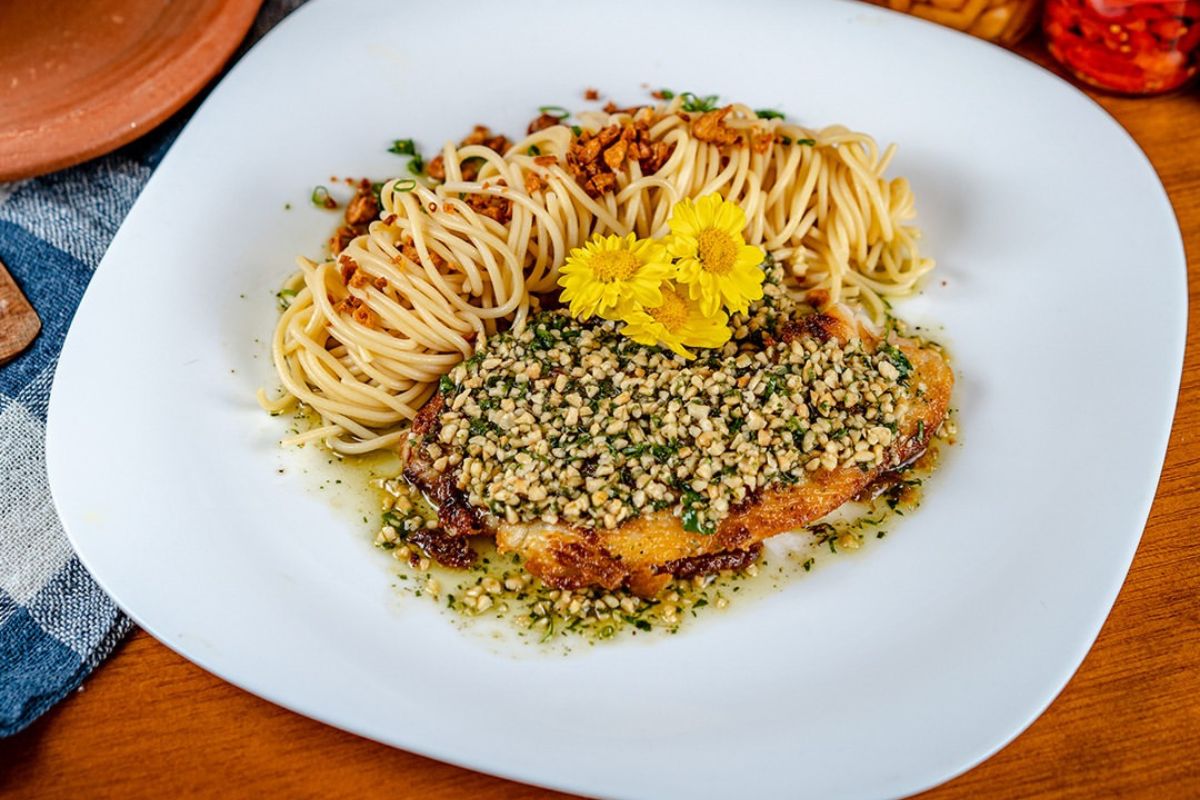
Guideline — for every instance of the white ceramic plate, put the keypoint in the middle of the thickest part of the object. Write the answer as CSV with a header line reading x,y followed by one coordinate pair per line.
x,y
1061,286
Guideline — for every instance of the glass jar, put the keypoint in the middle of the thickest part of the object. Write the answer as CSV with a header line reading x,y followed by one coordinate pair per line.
x,y
1128,46
1000,21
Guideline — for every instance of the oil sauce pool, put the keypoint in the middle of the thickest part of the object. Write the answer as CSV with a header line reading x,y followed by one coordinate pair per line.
x,y
504,607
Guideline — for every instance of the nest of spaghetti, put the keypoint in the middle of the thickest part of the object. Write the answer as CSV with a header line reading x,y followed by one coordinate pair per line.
x,y
430,270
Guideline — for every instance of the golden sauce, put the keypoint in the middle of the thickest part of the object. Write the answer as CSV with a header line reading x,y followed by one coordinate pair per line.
x,y
497,593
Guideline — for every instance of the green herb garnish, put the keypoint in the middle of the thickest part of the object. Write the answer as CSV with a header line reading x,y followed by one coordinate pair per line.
x,y
321,198
769,113
403,147
555,111
898,359
533,150
416,165
284,298
692,521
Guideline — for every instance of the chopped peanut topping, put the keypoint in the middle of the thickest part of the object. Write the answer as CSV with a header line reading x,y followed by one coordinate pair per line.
x,y
359,312
543,122
481,135
710,127
360,212
409,250
615,155
595,158
534,182
762,142
497,208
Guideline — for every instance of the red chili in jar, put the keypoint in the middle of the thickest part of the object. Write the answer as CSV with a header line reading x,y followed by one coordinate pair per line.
x,y
1130,46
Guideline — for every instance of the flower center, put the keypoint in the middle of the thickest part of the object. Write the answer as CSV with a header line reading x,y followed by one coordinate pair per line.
x,y
614,265
718,251
673,313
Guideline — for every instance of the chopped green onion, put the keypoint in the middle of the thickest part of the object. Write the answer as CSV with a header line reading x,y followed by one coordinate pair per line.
x,y
284,296
666,94
555,111
404,185
321,198
533,150
809,142
769,113
693,103
403,147
416,165
575,129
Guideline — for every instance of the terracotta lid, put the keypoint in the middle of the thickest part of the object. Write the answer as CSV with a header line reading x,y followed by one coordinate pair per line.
x,y
79,78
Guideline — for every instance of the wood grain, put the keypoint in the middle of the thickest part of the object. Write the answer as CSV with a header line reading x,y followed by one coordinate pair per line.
x,y
149,724
19,323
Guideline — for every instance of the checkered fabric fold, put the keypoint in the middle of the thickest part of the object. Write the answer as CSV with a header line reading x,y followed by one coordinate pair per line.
x,y
56,624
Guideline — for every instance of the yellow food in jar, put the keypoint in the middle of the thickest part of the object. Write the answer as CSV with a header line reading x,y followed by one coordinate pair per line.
x,y
1002,21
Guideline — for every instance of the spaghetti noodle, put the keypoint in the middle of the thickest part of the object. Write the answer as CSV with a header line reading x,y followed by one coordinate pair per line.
x,y
369,333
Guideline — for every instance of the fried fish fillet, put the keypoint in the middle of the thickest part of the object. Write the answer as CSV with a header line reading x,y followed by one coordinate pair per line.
x,y
646,551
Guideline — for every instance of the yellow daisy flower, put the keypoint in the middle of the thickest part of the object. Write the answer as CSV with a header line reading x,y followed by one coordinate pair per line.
x,y
715,262
610,272
675,322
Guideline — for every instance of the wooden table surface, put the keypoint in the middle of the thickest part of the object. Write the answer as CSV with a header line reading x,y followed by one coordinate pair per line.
x,y
150,724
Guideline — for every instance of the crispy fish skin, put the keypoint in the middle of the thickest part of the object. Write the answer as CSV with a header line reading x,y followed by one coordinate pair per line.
x,y
646,551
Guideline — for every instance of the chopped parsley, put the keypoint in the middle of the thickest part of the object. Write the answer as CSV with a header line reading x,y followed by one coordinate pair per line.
x,y
896,356
403,147
693,522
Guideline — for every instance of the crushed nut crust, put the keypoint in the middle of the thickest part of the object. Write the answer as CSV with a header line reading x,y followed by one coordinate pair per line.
x,y
572,422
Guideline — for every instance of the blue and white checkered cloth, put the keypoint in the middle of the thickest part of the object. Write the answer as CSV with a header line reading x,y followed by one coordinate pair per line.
x,y
56,624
